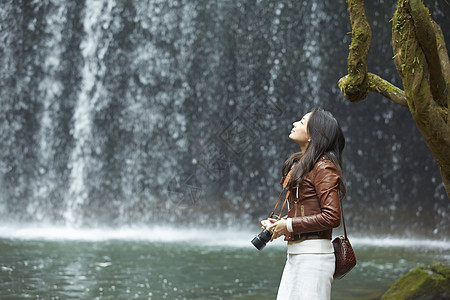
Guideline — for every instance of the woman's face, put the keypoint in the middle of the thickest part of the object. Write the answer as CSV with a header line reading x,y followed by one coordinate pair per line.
x,y
299,132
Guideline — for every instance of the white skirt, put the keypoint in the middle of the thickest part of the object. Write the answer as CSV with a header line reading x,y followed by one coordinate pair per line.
x,y
307,276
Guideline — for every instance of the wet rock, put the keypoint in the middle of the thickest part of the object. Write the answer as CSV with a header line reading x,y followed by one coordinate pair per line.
x,y
430,282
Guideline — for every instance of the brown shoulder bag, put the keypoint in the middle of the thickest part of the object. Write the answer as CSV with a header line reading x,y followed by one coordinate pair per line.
x,y
343,252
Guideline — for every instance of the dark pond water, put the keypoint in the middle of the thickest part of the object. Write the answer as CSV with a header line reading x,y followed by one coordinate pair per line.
x,y
52,263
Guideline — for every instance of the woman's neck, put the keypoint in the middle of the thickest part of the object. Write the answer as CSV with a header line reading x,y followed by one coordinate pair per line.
x,y
303,147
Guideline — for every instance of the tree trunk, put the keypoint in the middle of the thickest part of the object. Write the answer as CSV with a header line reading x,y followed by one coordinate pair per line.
x,y
422,61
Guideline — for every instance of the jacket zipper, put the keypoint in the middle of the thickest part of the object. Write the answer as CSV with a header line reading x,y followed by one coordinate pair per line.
x,y
295,208
302,209
296,202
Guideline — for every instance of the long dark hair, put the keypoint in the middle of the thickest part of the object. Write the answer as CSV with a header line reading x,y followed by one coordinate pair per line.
x,y
327,140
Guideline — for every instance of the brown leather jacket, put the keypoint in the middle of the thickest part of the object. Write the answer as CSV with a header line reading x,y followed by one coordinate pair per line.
x,y
317,209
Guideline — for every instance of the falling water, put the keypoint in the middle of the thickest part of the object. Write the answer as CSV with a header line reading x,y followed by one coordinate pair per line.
x,y
313,45
96,19
120,113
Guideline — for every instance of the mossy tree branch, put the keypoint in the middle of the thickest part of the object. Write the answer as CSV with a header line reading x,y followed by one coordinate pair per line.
x,y
408,57
387,89
424,85
359,82
445,63
421,59
355,85
379,85
426,36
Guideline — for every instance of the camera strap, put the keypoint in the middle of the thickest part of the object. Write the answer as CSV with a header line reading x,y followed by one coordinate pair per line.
x,y
285,183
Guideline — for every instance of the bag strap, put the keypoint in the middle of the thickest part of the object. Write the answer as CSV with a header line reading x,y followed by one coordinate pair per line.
x,y
343,219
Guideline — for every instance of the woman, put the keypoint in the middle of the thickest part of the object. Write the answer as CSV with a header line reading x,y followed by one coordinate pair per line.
x,y
314,183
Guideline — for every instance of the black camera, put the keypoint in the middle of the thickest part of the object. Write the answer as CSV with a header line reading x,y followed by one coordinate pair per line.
x,y
263,237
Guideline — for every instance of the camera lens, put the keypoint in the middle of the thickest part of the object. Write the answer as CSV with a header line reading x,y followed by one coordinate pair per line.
x,y
261,239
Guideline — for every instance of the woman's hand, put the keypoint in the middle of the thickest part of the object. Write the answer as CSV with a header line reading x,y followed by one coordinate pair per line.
x,y
279,228
264,223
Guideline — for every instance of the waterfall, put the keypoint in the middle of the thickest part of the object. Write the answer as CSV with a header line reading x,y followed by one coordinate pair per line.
x,y
50,87
312,50
120,113
93,47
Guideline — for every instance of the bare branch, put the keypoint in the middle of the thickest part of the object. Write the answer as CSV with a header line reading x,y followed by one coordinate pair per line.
x,y
387,89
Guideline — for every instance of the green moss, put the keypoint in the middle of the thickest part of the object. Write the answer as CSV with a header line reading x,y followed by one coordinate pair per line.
x,y
432,282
